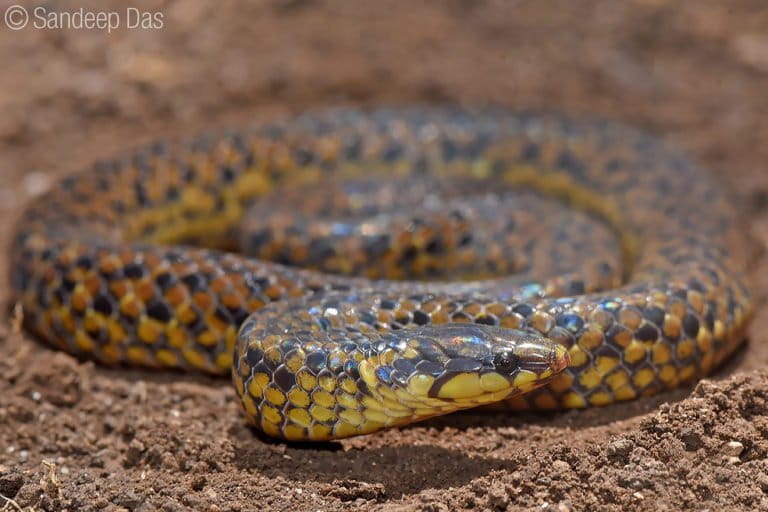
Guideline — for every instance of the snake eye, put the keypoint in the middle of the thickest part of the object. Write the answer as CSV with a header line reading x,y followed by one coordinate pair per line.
x,y
506,362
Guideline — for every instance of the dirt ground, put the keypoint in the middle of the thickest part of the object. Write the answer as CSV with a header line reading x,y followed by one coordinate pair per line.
x,y
74,436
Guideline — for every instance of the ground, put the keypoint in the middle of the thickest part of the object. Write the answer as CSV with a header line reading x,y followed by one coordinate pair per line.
x,y
75,436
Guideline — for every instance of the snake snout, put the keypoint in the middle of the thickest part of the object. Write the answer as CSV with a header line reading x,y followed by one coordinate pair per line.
x,y
483,364
521,351
525,359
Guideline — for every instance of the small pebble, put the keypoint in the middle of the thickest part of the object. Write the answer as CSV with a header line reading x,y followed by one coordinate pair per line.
x,y
620,448
732,449
36,183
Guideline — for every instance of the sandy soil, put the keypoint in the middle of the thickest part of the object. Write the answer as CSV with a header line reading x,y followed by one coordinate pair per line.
x,y
74,436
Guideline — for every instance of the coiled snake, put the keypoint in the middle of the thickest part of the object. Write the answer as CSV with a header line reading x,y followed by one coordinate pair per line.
x,y
100,270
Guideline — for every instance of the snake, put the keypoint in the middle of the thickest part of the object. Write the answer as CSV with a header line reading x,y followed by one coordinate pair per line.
x,y
359,269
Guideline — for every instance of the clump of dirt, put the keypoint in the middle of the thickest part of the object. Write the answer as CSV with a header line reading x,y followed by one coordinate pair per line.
x,y
75,436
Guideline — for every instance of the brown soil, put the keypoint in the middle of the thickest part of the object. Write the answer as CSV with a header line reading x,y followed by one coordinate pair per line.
x,y
74,436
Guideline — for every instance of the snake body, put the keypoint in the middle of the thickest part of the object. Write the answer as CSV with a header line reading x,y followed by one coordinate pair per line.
x,y
108,266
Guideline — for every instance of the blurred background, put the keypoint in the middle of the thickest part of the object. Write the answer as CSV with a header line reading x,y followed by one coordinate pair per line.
x,y
693,70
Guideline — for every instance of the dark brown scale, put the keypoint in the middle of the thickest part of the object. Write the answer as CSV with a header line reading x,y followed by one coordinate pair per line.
x,y
98,268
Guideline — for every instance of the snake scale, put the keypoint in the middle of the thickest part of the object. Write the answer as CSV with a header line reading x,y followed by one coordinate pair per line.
x,y
133,263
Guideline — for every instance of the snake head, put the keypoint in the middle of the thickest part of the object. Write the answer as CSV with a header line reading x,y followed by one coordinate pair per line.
x,y
302,390
432,370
